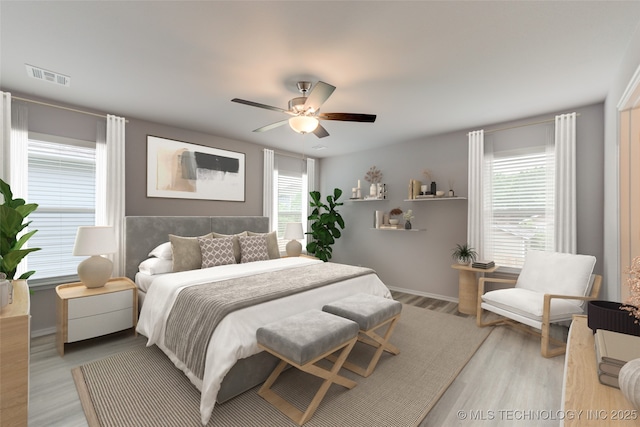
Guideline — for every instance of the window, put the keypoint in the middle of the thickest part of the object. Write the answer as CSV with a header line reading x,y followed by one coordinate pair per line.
x,y
291,195
519,202
62,180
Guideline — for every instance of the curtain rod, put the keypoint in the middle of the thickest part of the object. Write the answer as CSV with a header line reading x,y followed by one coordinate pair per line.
x,y
523,125
46,104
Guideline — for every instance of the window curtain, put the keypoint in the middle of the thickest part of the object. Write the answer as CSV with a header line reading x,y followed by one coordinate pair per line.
x,y
5,134
475,207
16,156
311,186
565,182
110,184
267,190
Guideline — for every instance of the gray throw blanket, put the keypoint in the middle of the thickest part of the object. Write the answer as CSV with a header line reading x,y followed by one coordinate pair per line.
x,y
199,309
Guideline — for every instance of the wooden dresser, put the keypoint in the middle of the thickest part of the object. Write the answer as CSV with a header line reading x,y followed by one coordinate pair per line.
x,y
14,358
585,401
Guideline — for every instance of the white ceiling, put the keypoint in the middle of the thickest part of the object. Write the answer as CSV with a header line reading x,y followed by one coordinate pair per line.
x,y
423,67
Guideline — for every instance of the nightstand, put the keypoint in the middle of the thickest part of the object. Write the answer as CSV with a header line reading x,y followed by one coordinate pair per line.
x,y
84,313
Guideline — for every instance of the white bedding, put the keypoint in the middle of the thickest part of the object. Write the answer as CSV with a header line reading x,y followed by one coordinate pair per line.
x,y
235,336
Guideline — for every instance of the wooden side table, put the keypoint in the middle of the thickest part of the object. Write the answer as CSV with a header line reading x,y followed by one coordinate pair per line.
x,y
468,287
85,313
15,337
585,401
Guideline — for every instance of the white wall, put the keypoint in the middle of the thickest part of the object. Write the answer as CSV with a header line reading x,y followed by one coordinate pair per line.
x,y
419,262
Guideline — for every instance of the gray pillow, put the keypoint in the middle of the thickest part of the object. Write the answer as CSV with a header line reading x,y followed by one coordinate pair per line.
x,y
272,243
236,244
253,248
186,252
216,252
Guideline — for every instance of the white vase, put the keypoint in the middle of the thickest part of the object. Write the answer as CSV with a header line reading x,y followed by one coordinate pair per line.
x,y
373,190
629,381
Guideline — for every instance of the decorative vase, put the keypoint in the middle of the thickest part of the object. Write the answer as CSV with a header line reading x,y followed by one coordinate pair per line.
x,y
373,190
607,315
407,225
629,381
451,193
433,187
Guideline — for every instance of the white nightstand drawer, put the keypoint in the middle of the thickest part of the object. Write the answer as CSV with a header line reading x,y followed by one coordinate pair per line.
x,y
100,324
98,304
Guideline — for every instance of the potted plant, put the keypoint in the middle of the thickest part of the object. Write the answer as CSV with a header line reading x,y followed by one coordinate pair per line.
x,y
14,213
326,224
464,254
394,212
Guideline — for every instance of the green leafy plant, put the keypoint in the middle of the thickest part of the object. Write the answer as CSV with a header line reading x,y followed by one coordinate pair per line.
x,y
464,253
13,213
326,224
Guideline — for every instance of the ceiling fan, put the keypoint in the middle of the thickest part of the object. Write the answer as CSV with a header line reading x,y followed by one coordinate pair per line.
x,y
305,111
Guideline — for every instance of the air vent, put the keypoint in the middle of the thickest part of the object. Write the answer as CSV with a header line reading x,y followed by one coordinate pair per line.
x,y
319,147
49,76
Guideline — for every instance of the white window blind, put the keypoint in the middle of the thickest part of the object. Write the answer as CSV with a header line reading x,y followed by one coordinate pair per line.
x,y
62,182
519,201
291,195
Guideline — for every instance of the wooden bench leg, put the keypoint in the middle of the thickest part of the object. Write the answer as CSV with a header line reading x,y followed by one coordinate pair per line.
x,y
371,338
330,377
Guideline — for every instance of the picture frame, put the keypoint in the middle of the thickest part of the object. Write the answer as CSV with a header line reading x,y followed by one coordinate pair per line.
x,y
182,170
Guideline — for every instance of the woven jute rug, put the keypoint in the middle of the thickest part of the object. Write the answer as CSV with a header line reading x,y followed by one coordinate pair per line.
x,y
142,387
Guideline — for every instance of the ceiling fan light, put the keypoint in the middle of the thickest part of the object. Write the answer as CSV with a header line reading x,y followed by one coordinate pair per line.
x,y
303,124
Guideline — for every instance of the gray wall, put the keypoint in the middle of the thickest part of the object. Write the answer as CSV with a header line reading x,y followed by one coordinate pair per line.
x,y
627,67
420,261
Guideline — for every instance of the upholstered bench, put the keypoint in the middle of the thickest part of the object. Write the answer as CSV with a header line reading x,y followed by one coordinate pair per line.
x,y
370,313
301,341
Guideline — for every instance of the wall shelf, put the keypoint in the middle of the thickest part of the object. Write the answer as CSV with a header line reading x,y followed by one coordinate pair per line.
x,y
366,200
434,199
399,229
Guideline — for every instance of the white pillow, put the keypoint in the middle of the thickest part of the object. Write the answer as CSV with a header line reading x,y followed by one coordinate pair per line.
x,y
156,266
162,251
556,273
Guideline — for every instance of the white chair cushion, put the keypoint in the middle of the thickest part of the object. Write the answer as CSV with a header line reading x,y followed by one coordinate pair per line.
x,y
529,304
556,273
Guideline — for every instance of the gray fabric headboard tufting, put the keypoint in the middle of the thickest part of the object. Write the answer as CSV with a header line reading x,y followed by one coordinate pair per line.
x,y
143,233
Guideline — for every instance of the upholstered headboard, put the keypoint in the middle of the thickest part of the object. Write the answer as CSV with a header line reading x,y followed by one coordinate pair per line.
x,y
143,233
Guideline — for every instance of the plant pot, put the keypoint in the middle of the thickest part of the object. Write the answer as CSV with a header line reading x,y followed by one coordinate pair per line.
x,y
607,315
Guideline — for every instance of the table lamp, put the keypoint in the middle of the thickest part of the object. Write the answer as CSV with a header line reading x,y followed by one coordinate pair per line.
x,y
95,241
293,232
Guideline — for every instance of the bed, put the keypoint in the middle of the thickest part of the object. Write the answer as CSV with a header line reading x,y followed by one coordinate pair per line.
x,y
232,363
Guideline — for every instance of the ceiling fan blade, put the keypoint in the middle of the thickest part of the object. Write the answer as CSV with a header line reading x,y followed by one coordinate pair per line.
x,y
272,126
257,104
319,94
320,132
348,117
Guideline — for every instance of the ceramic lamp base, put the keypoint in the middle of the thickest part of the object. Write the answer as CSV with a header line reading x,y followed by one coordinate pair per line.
x,y
95,271
294,248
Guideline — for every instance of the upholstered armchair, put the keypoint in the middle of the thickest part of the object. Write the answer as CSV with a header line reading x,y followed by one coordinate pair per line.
x,y
551,288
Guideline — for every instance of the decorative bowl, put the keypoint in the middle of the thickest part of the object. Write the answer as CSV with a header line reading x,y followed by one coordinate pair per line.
x,y
394,221
439,193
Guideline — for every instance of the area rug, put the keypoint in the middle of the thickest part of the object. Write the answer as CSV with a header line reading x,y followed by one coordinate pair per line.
x,y
142,387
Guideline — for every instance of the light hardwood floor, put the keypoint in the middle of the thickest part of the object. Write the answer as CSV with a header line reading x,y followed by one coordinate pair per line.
x,y
506,382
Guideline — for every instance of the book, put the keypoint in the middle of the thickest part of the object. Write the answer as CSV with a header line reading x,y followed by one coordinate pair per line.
x,y
391,227
483,264
614,349
607,379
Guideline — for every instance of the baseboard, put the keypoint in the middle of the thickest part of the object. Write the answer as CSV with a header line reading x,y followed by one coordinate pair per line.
x,y
423,294
43,332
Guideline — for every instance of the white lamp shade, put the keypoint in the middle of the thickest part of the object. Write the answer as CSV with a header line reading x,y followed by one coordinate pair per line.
x,y
95,240
303,124
293,231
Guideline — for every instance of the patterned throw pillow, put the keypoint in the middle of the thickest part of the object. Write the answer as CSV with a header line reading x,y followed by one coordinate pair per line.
x,y
253,248
272,243
216,251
